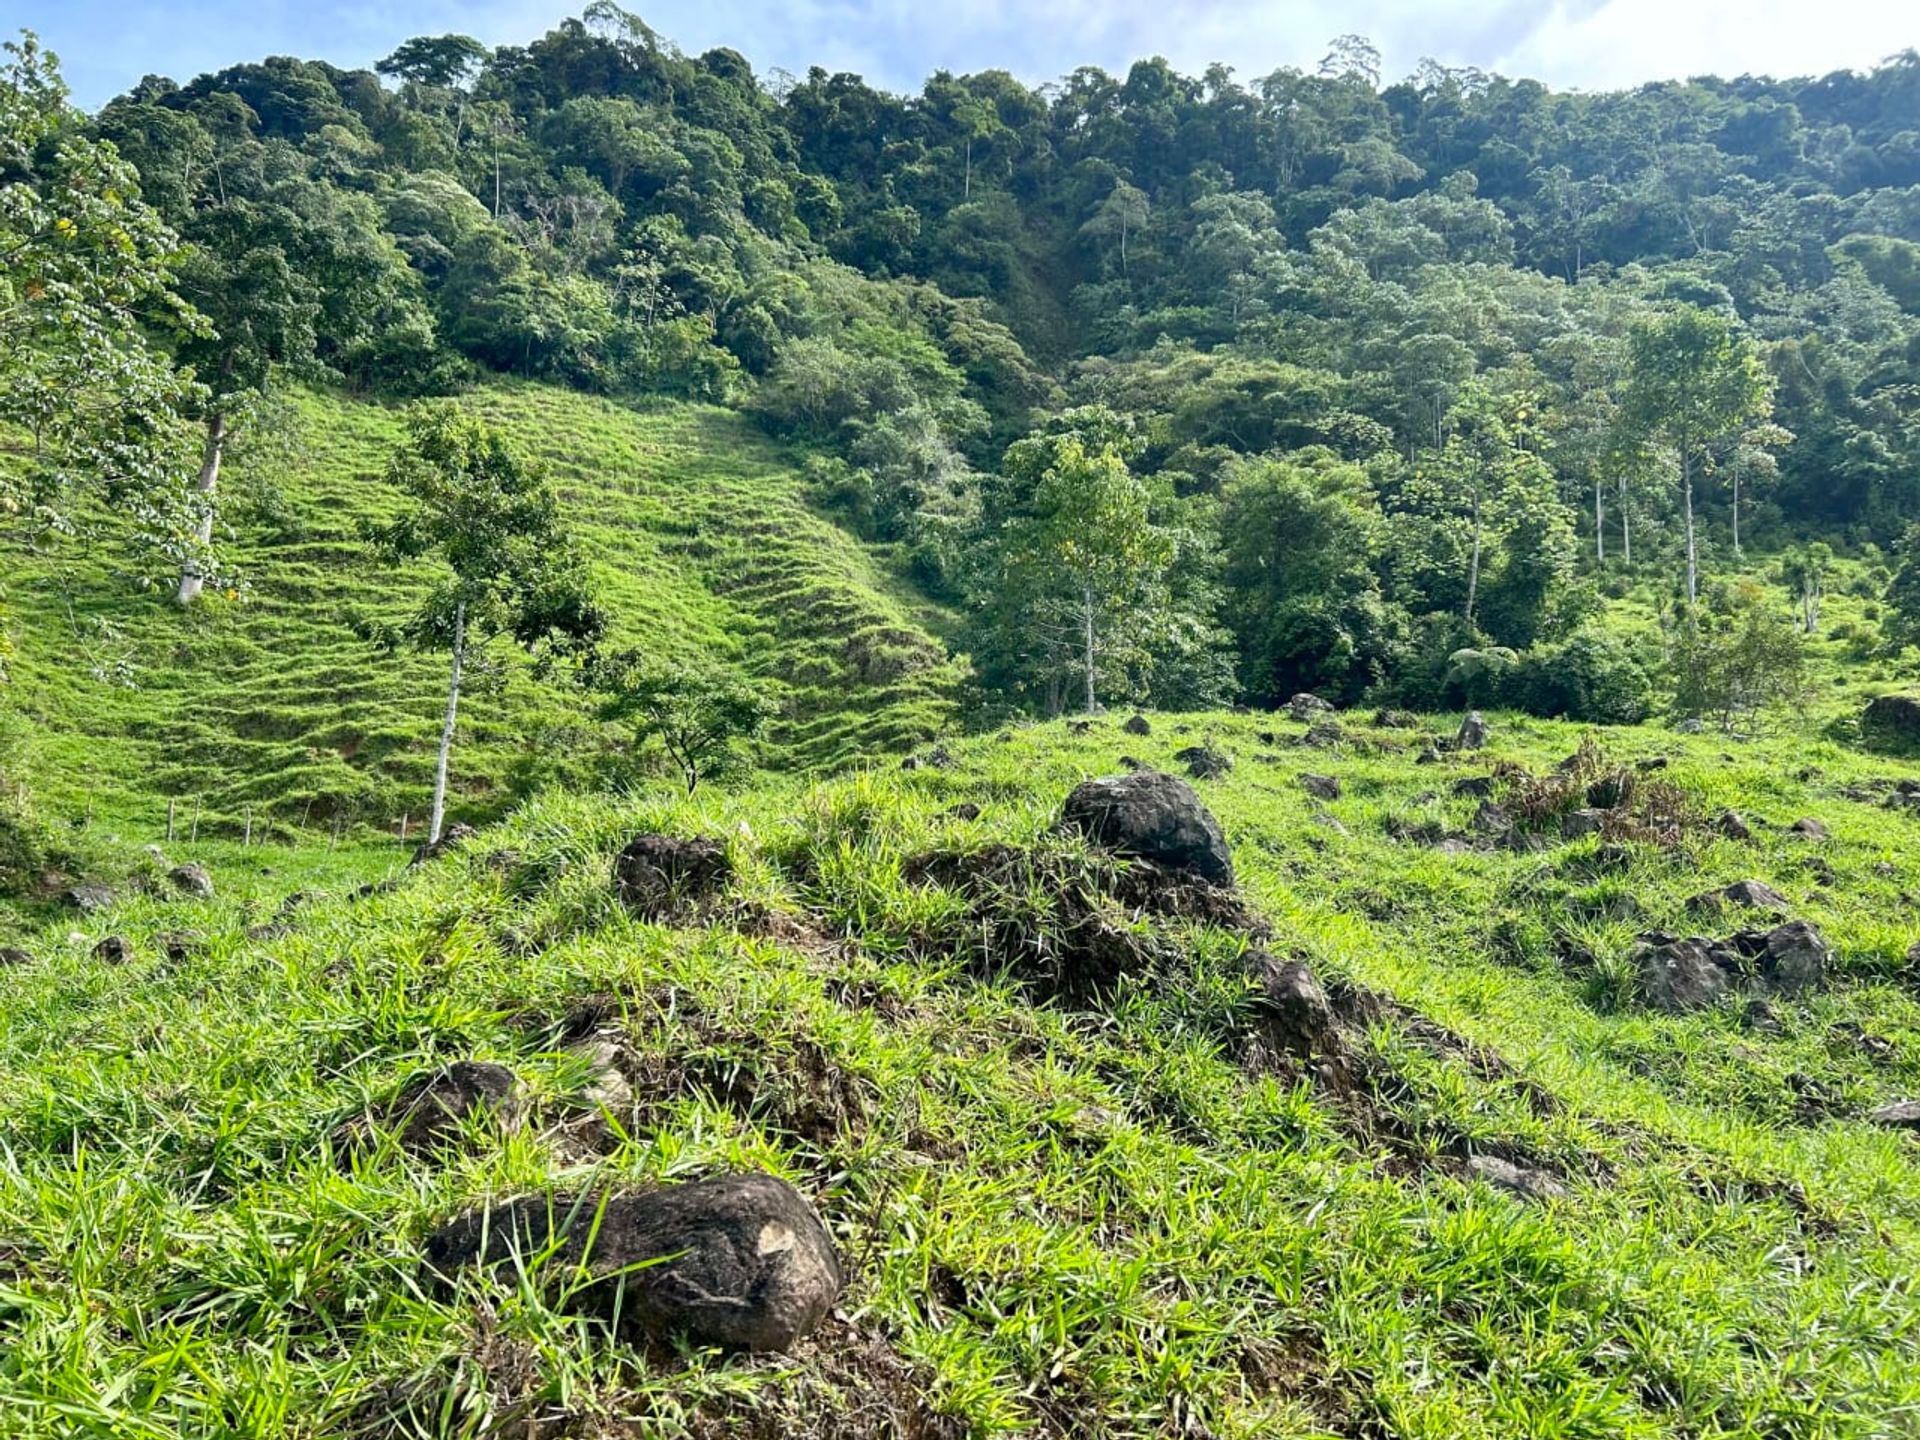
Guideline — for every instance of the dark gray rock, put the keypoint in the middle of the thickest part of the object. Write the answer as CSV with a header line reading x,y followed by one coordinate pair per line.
x,y
1680,975
1479,787
1809,828
1325,733
1795,958
1321,817
657,875
1492,819
433,1109
741,1261
965,810
1321,787
1733,825
1203,762
89,897
1294,1015
114,950
1472,733
1154,817
1138,725
12,955
191,880
451,838
1749,894
1587,821
1396,720
1307,708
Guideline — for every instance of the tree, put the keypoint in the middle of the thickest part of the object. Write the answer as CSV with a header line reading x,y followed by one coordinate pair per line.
x,y
1076,564
507,566
442,61
83,263
1738,666
703,715
1805,571
1694,385
1124,211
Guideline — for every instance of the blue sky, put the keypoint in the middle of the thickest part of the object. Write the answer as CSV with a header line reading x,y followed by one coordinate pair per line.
x,y
107,45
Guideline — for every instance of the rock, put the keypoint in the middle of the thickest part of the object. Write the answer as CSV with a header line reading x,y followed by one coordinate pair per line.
x,y
1307,708
1751,894
1809,828
1203,762
938,758
451,838
272,930
1900,1115
1321,817
965,810
1477,786
1760,1017
191,880
657,875
1079,727
1579,823
1295,1017
1525,1180
1396,720
1892,722
88,897
1733,825
1472,733
1795,958
432,1109
114,950
741,1261
606,1086
1321,787
12,955
1610,792
1428,756
1154,817
181,946
1652,763
1679,975
1491,819
1132,762
1138,725
1324,734
1693,725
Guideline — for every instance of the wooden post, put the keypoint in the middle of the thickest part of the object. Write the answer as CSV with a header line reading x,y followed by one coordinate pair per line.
x,y
169,819
194,833
403,828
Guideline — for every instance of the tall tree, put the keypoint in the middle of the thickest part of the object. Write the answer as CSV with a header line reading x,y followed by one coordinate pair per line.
x,y
507,567
1694,384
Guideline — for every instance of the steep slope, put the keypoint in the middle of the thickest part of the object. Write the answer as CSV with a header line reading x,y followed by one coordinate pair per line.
x,y
703,542
1081,1179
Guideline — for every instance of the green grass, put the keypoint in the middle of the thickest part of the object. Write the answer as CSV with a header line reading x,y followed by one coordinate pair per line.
x,y
703,543
1086,1218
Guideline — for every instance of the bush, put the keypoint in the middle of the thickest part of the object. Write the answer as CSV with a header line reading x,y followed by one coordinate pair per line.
x,y
1593,677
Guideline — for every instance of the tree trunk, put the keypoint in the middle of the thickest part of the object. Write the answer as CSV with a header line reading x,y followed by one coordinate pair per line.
x,y
1087,611
966,188
1473,565
1736,513
191,580
1599,526
1626,527
1693,568
446,726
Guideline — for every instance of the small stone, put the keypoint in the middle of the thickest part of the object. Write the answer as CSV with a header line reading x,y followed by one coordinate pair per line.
x,y
1900,1115
606,1086
1693,725
1809,828
431,1109
1580,823
114,950
1526,1180
1428,756
1749,894
1203,762
1295,1016
1306,708
89,898
1138,725
1795,959
1475,786
1733,825
965,810
1396,720
12,955
1680,975
191,880
1321,787
1321,817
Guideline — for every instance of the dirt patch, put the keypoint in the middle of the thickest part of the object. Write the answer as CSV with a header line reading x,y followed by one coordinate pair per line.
x,y
850,1383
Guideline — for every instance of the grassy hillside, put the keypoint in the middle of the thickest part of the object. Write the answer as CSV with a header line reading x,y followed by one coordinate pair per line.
x,y
1065,1209
703,542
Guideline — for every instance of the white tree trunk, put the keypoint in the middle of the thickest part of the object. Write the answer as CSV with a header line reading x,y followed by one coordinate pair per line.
x,y
1599,526
1087,612
1473,565
446,727
1626,527
191,580
1693,567
1736,513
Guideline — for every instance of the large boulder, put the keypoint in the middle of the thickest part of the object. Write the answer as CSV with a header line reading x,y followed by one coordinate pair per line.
x,y
741,1261
1151,816
1307,708
1679,975
1138,725
1795,958
1892,722
658,874
1472,733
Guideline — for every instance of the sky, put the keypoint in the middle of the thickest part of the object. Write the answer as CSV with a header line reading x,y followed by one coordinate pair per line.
x,y
107,45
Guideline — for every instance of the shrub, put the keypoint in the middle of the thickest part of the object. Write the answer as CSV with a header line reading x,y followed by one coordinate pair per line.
x,y
1594,677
